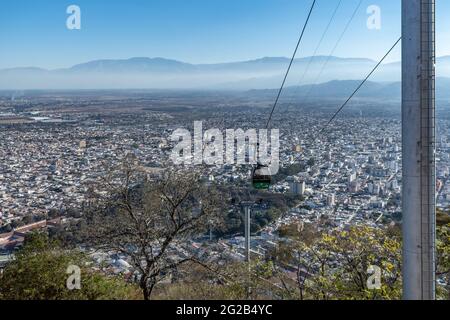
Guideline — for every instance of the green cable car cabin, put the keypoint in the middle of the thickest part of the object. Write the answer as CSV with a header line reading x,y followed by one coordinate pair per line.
x,y
261,177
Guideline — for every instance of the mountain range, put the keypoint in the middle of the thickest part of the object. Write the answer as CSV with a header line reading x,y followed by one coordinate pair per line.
x,y
160,73
341,89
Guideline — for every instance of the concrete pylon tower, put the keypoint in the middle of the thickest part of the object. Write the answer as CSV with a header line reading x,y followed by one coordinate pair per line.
x,y
419,164
246,206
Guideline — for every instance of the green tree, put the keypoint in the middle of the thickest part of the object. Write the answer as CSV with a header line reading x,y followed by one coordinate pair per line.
x,y
442,218
233,281
39,272
336,265
443,259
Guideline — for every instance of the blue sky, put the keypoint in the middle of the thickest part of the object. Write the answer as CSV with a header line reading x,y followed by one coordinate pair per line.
x,y
34,33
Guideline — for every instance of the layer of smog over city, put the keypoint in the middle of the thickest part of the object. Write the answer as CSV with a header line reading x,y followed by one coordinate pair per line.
x,y
135,178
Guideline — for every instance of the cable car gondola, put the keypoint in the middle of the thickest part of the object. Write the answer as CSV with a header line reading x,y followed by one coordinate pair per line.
x,y
261,177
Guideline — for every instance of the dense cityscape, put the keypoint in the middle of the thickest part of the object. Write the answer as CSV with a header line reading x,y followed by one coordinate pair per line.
x,y
54,149
224,158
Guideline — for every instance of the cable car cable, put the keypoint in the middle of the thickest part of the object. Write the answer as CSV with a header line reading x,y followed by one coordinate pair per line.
x,y
352,17
290,64
311,59
360,86
261,177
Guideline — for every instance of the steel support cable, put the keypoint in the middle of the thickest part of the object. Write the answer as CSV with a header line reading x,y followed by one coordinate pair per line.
x,y
360,86
311,59
352,17
290,64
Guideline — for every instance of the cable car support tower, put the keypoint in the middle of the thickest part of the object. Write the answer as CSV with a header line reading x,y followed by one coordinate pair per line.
x,y
419,160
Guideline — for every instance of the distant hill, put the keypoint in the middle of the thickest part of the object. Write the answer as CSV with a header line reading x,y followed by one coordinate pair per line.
x,y
343,88
161,73
133,65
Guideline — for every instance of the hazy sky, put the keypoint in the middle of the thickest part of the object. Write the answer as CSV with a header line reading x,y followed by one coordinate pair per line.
x,y
34,33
